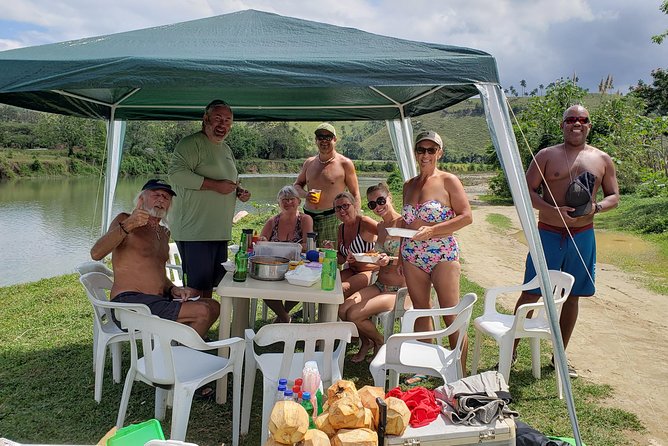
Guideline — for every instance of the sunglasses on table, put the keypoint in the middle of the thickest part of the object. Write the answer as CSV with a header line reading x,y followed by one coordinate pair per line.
x,y
423,150
324,137
344,206
574,119
379,202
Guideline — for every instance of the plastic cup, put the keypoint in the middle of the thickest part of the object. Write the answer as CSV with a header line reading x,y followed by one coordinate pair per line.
x,y
316,195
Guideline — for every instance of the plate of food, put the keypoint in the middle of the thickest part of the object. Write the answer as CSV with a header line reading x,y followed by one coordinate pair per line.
x,y
367,257
401,232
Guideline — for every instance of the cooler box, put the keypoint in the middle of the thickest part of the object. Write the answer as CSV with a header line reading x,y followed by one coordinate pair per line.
x,y
442,432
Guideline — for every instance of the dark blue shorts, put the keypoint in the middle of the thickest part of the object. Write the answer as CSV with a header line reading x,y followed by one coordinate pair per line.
x,y
202,263
561,254
160,306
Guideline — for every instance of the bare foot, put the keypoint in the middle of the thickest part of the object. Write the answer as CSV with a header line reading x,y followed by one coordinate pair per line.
x,y
361,354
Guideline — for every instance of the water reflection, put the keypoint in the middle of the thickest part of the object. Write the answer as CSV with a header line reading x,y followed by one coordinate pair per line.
x,y
49,225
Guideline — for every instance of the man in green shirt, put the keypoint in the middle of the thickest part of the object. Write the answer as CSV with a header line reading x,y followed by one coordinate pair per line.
x,y
204,174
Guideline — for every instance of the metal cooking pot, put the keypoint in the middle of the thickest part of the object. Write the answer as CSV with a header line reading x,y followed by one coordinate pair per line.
x,y
268,267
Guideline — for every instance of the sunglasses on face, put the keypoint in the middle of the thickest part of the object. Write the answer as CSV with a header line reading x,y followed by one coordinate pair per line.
x,y
574,119
423,150
343,206
379,202
324,137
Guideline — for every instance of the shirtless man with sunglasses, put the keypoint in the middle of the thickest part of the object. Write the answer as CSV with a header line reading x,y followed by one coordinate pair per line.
x,y
563,182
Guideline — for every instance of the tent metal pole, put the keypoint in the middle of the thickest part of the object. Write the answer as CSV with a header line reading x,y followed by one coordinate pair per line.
x,y
498,120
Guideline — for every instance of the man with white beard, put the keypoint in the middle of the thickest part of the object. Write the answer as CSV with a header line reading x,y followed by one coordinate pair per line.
x,y
139,247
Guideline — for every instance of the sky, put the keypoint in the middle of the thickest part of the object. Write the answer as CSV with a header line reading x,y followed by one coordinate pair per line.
x,y
538,41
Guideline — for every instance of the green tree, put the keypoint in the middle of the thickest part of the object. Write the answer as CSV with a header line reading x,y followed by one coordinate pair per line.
x,y
655,95
58,131
659,37
523,84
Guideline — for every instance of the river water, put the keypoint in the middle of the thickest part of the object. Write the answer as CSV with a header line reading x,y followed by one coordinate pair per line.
x,y
47,226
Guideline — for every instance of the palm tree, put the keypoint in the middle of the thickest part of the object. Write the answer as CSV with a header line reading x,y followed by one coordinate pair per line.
x,y
523,84
541,87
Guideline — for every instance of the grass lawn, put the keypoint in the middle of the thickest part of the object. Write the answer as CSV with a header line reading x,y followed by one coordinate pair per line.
x,y
46,380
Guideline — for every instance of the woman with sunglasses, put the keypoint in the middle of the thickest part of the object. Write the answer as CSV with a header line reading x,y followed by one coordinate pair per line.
x,y
380,296
290,225
435,205
356,235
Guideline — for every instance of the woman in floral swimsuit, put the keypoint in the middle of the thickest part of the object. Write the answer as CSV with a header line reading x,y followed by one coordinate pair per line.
x,y
435,205
381,295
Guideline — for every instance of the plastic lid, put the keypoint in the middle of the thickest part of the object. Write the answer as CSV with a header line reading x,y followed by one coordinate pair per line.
x,y
306,395
299,382
288,393
296,389
282,381
281,388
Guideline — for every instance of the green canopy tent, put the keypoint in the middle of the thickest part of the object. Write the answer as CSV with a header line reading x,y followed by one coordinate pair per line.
x,y
269,67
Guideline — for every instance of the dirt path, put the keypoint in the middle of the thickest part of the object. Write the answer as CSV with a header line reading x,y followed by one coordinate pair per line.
x,y
621,337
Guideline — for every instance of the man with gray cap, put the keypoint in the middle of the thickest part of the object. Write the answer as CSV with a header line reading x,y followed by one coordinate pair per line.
x,y
563,182
321,179
139,248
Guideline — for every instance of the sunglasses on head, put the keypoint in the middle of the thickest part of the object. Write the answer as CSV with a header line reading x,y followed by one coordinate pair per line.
x,y
324,137
343,206
379,202
423,150
574,119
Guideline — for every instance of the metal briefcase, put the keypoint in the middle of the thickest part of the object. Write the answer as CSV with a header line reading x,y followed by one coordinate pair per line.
x,y
443,433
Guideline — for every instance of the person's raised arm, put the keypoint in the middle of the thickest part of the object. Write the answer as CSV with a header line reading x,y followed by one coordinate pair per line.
x,y
119,229
300,182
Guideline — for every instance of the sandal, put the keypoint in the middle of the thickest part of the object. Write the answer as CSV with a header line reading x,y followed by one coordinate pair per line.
x,y
205,393
416,379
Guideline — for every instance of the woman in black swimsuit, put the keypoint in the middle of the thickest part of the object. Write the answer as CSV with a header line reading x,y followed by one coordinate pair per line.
x,y
290,225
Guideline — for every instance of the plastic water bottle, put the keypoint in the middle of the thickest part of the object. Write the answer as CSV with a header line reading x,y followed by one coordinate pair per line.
x,y
283,382
296,391
306,404
280,392
288,395
313,385
328,273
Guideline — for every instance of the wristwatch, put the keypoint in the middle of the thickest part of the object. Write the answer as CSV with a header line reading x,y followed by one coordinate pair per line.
x,y
598,208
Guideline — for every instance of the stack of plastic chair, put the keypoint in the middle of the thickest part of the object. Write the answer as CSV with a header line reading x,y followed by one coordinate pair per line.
x,y
175,362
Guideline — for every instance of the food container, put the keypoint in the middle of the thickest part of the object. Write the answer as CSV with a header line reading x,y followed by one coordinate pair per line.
x,y
268,267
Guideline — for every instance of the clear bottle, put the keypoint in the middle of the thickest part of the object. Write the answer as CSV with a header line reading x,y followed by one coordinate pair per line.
x,y
241,260
280,393
296,391
288,395
313,385
328,273
306,404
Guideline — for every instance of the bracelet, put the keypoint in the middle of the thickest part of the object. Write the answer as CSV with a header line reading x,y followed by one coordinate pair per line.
x,y
124,230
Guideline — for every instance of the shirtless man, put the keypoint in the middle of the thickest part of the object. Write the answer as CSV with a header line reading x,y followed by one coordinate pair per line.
x,y
139,246
330,173
574,172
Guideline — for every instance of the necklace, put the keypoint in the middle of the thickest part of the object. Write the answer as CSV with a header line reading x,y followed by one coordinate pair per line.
x,y
328,161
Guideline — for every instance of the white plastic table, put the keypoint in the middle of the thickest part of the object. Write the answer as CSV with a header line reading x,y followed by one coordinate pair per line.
x,y
235,297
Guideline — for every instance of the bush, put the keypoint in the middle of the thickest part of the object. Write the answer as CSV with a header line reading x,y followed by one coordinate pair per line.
x,y
499,187
654,184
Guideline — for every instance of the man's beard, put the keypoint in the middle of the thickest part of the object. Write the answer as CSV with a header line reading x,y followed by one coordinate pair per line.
x,y
157,213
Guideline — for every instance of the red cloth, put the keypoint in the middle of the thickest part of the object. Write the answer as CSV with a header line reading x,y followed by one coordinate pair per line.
x,y
420,402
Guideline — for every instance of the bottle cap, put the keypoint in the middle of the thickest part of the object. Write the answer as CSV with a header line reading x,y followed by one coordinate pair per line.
x,y
306,395
288,393
283,381
281,388
298,382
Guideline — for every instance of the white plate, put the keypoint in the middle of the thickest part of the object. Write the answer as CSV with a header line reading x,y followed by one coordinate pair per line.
x,y
401,232
302,282
365,258
229,266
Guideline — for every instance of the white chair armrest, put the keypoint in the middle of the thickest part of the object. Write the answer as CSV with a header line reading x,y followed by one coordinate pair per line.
x,y
394,343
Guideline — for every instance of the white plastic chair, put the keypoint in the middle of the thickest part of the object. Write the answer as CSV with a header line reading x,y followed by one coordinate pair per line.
x,y
505,328
290,363
404,353
105,331
93,266
386,319
173,268
177,370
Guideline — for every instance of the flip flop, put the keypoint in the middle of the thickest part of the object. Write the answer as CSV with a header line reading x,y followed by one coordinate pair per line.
x,y
416,379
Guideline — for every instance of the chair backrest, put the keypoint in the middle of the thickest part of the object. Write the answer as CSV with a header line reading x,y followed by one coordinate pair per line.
x,y
92,266
562,283
97,286
324,335
173,268
463,311
155,336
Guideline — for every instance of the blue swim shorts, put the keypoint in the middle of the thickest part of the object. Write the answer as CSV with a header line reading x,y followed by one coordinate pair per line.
x,y
561,254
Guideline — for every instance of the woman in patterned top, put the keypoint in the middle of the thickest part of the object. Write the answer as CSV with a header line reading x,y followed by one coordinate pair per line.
x,y
381,295
290,225
436,206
